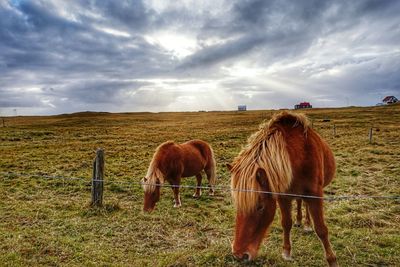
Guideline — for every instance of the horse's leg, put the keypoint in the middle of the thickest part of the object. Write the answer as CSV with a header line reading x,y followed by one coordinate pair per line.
x,y
299,216
315,207
175,188
209,173
286,221
197,193
307,223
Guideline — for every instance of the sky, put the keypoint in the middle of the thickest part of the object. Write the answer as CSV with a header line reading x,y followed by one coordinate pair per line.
x,y
157,55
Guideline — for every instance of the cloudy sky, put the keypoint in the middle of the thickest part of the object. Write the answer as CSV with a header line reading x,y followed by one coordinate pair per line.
x,y
157,55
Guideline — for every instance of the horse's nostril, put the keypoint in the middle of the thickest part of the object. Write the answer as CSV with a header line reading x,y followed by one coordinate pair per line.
x,y
246,256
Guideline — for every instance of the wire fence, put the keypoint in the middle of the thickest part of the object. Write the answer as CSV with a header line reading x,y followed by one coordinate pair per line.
x,y
223,188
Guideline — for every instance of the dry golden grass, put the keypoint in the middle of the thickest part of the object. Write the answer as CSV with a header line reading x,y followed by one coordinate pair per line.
x,y
49,222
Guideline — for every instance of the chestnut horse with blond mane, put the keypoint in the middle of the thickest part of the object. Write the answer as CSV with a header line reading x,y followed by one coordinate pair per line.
x,y
173,161
284,156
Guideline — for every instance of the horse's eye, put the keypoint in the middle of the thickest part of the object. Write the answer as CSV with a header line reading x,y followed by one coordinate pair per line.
x,y
260,207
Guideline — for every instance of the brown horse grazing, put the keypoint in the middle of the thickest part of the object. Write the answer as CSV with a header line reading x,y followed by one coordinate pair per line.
x,y
173,161
284,156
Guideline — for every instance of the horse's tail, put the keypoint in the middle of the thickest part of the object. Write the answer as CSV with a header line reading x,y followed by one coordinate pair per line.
x,y
212,168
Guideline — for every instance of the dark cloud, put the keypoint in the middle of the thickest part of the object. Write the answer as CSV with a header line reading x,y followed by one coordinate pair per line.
x,y
65,56
278,28
270,13
219,53
131,14
39,18
11,99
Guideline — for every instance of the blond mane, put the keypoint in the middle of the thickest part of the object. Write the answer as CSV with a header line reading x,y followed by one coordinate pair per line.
x,y
265,149
154,174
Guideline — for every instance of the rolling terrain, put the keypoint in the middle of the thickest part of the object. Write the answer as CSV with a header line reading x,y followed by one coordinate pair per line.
x,y
48,221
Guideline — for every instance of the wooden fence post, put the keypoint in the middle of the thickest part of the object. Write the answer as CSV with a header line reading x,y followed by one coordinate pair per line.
x,y
98,179
334,130
4,124
370,135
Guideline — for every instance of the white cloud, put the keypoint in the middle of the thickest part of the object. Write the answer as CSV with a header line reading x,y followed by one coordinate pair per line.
x,y
114,32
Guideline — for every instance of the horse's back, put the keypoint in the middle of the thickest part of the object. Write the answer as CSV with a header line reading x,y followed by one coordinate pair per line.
x,y
195,155
202,146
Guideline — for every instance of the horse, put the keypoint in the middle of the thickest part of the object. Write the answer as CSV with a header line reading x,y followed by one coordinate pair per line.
x,y
285,156
173,161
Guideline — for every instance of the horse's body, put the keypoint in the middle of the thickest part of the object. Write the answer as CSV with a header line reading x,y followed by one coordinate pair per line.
x,y
284,156
173,161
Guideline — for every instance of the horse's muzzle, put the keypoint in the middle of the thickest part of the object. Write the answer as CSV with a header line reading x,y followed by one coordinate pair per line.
x,y
246,256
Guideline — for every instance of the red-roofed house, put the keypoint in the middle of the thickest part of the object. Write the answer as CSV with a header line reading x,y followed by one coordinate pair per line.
x,y
390,100
303,105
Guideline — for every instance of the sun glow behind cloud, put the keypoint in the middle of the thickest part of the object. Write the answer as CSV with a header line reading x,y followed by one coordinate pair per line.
x,y
243,71
178,45
261,80
205,95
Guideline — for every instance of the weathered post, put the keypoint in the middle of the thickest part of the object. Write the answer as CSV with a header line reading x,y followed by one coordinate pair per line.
x,y
334,130
370,135
98,179
4,124
312,124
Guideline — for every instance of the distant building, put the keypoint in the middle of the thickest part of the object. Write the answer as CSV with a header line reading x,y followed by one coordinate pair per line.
x,y
303,105
242,108
390,100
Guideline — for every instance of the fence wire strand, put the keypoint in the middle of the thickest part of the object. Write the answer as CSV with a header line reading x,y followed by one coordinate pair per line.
x,y
216,187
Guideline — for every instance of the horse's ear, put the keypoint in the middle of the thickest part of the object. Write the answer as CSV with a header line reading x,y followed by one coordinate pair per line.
x,y
229,166
261,177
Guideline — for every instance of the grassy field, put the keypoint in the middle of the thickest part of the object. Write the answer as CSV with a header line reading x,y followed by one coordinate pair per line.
x,y
49,221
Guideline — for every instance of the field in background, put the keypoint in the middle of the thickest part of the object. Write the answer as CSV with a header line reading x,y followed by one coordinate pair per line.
x,y
49,221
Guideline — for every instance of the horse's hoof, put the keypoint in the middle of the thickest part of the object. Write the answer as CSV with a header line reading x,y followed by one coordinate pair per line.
x,y
308,229
297,224
333,264
286,255
211,193
196,195
177,205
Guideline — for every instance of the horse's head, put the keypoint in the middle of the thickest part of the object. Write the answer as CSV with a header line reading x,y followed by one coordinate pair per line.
x,y
151,195
252,221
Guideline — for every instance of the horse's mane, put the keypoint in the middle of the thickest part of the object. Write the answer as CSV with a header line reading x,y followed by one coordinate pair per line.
x,y
265,149
154,174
